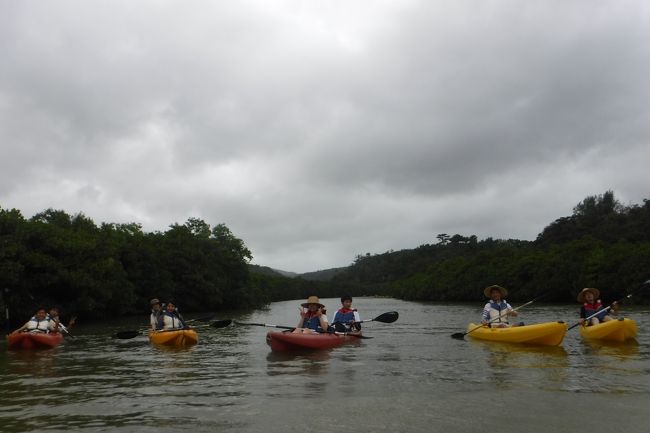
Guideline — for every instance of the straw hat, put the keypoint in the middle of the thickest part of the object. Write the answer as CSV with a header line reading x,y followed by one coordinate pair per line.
x,y
312,300
581,295
489,289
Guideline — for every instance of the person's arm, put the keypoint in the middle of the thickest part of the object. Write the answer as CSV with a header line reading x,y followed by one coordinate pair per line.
x,y
72,321
22,328
510,311
301,322
485,317
324,324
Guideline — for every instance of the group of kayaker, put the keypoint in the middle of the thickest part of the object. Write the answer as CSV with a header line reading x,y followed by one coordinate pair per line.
x,y
45,322
165,316
313,317
497,311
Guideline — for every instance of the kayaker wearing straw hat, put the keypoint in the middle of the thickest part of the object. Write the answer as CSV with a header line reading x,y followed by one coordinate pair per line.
x,y
312,317
156,312
496,311
591,305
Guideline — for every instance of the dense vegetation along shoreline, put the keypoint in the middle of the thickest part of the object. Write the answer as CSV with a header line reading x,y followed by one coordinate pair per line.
x,y
114,269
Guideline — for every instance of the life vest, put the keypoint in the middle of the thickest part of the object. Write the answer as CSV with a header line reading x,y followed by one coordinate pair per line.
x,y
171,321
593,308
495,312
35,325
312,321
348,317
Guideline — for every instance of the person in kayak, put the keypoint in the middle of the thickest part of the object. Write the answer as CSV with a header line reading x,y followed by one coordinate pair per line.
x,y
155,319
592,305
346,319
496,312
39,323
313,317
171,318
55,321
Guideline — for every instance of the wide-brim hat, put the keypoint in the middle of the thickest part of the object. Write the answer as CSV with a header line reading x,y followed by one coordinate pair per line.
x,y
312,300
583,292
489,289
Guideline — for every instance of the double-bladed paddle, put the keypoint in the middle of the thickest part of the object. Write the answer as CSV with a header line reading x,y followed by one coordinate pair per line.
x,y
291,328
609,307
388,317
126,335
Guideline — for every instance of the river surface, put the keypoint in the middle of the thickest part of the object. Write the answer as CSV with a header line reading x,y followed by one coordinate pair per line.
x,y
410,377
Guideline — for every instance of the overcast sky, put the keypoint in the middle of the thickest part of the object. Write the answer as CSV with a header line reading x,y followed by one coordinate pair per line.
x,y
320,130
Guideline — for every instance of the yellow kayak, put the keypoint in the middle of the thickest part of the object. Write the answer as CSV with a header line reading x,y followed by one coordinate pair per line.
x,y
176,337
548,334
613,330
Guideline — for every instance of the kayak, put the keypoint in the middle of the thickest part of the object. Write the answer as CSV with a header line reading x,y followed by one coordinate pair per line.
x,y
548,333
177,337
613,330
287,341
33,340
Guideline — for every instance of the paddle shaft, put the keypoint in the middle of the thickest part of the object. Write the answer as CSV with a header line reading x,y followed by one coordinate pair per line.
x,y
501,316
268,325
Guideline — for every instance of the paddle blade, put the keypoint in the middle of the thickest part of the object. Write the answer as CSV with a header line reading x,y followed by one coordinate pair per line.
x,y
202,319
221,323
389,317
125,335
458,335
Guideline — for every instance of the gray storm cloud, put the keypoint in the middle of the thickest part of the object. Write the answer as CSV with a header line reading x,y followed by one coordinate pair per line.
x,y
319,131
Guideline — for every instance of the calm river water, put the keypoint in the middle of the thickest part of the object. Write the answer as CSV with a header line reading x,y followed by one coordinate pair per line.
x,y
411,377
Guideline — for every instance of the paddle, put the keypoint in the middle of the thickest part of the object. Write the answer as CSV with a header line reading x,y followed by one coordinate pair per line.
x,y
609,307
291,328
221,323
127,335
461,335
268,325
64,329
389,317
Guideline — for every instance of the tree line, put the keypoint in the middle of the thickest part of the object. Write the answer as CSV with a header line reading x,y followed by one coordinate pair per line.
x,y
108,270
603,244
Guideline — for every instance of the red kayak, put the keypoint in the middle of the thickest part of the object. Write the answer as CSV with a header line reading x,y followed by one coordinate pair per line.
x,y
34,340
287,341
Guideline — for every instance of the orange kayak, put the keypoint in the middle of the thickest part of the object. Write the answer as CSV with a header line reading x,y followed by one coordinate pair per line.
x,y
176,337
287,341
33,340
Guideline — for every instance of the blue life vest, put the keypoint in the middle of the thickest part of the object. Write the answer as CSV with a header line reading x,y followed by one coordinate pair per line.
x,y
495,314
312,322
344,316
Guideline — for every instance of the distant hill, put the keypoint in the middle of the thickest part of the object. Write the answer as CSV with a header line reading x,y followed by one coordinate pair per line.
x,y
323,275
265,270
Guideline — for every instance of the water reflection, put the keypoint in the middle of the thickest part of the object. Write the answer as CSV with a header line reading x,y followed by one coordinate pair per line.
x,y
621,350
410,376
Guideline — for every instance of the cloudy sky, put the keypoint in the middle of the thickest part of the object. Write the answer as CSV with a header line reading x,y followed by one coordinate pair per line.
x,y
320,130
